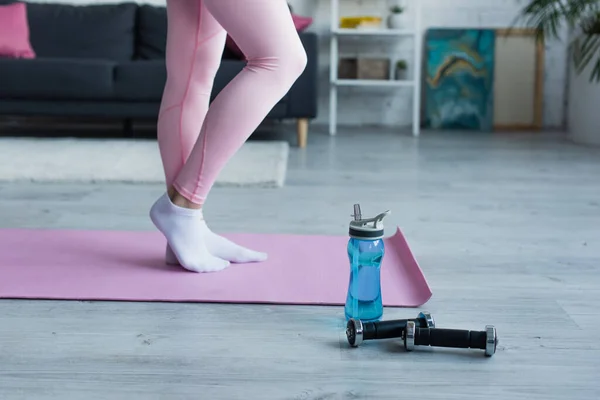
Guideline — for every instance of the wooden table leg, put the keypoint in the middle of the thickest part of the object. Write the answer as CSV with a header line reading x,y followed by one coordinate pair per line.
x,y
302,128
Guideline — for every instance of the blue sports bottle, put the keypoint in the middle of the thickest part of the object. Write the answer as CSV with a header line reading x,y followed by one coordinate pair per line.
x,y
365,251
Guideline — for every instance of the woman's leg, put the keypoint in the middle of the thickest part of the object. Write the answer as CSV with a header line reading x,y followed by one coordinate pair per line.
x,y
195,44
265,32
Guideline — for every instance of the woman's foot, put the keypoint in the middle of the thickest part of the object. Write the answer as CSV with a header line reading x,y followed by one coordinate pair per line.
x,y
182,227
216,245
222,248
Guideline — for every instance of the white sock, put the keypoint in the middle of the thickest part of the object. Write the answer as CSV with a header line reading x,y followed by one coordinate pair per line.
x,y
183,229
227,250
223,248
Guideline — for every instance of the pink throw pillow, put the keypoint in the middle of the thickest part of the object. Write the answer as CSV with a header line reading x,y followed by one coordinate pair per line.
x,y
14,32
301,24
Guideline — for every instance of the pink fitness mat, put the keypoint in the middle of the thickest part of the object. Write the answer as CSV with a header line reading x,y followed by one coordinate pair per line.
x,y
129,266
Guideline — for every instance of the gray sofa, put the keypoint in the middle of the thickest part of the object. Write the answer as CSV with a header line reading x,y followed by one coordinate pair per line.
x,y
108,61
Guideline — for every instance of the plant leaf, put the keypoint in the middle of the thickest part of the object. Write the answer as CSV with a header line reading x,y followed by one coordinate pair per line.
x,y
586,48
547,17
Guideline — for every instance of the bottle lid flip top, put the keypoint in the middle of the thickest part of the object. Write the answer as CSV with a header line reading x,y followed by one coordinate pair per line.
x,y
370,228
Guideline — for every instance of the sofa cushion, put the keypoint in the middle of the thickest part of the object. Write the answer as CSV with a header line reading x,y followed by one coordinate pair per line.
x,y
56,79
104,31
152,32
142,80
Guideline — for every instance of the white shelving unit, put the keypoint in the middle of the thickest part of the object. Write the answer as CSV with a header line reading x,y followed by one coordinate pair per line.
x,y
338,33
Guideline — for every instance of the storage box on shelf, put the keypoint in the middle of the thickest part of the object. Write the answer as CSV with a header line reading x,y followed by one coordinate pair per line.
x,y
364,68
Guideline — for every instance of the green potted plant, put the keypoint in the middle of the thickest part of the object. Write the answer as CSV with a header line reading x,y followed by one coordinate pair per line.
x,y
582,17
396,18
401,70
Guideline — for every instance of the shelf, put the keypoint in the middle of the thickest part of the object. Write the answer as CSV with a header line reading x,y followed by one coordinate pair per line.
x,y
338,35
373,32
373,82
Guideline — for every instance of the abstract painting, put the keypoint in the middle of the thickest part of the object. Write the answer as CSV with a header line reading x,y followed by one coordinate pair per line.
x,y
459,79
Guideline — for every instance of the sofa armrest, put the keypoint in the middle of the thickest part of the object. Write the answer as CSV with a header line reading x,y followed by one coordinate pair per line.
x,y
303,95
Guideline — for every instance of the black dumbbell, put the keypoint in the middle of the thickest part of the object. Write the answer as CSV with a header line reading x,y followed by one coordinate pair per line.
x,y
456,338
358,331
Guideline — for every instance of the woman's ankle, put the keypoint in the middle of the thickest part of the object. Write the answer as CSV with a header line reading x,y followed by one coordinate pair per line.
x,y
180,201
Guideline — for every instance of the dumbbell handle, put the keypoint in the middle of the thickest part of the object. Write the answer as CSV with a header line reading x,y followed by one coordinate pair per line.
x,y
357,330
389,329
454,338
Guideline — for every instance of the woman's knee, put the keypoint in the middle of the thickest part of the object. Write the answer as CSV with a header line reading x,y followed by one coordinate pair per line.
x,y
285,64
296,60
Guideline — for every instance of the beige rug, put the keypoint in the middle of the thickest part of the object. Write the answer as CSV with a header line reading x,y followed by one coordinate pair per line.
x,y
257,163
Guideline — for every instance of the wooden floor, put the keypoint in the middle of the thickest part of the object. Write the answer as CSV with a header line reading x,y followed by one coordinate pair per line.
x,y
506,228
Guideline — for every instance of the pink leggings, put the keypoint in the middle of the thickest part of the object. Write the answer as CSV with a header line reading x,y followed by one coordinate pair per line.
x,y
196,141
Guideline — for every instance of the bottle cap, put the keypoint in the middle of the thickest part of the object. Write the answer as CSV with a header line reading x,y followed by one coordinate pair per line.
x,y
370,228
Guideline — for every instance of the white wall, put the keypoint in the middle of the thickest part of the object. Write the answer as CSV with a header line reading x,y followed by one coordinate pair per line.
x,y
393,106
582,109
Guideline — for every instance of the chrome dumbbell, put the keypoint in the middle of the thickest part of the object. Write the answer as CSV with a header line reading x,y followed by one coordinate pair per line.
x,y
486,340
358,331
